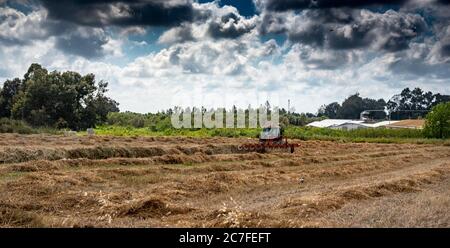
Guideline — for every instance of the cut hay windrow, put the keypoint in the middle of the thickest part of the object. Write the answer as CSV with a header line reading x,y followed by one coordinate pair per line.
x,y
11,216
333,200
17,155
151,207
105,181
198,158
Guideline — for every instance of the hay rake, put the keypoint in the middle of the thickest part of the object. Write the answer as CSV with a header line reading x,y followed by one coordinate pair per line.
x,y
271,138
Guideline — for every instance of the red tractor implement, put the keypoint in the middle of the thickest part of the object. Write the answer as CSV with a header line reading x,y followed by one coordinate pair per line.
x,y
271,138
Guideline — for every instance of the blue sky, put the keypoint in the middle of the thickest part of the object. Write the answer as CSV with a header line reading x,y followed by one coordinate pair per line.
x,y
156,54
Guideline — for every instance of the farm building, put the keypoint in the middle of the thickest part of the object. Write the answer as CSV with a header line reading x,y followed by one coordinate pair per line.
x,y
351,125
329,123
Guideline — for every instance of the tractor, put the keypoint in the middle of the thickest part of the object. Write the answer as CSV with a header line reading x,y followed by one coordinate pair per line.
x,y
271,137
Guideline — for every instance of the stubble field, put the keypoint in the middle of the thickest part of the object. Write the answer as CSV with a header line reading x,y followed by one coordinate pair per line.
x,y
106,181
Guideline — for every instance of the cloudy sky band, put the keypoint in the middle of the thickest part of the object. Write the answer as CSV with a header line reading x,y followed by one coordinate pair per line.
x,y
312,52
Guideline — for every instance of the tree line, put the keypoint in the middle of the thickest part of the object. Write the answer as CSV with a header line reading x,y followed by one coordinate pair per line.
x,y
161,120
351,108
71,100
409,104
56,99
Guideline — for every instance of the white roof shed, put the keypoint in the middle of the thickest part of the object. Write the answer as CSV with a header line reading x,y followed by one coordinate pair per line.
x,y
330,123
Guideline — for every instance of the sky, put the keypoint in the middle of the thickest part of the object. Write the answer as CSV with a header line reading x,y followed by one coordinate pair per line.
x,y
157,54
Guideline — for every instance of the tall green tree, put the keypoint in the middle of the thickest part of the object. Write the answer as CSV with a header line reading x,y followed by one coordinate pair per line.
x,y
372,104
351,107
438,98
8,95
331,110
414,103
98,107
61,100
437,123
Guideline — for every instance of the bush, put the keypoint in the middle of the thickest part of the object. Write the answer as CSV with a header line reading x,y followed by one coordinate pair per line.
x,y
15,126
156,122
313,132
437,124
386,133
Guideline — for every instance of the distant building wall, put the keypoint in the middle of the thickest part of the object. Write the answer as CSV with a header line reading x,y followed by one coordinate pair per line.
x,y
348,126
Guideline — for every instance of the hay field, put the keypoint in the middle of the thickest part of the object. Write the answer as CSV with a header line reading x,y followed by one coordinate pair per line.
x,y
106,181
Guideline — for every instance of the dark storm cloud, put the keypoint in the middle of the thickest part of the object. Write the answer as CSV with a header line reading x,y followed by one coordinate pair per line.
x,y
19,29
414,68
272,23
345,15
284,5
172,13
81,27
11,41
317,21
83,44
444,1
310,34
71,39
73,22
445,50
221,24
229,26
121,13
442,50
390,31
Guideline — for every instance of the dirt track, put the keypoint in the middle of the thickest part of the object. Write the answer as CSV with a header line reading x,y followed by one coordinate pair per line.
x,y
113,181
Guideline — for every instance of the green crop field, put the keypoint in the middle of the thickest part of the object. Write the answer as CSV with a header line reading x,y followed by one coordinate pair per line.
x,y
376,135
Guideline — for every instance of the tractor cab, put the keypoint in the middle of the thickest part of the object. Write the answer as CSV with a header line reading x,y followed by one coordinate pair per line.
x,y
271,134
